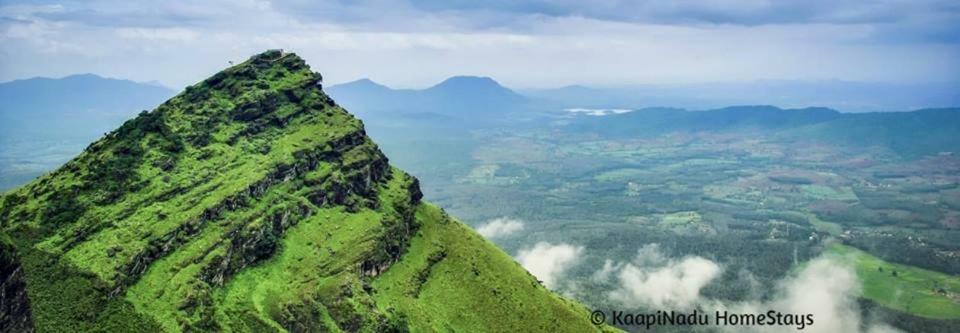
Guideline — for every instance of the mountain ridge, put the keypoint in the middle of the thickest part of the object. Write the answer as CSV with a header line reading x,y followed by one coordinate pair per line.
x,y
251,201
910,134
55,90
79,105
471,98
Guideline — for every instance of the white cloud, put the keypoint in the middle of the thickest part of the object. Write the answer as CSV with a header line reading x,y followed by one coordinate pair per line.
x,y
731,12
373,40
652,280
158,34
548,262
827,290
500,227
609,268
826,287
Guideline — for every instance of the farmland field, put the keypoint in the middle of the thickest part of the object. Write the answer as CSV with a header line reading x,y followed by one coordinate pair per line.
x,y
758,205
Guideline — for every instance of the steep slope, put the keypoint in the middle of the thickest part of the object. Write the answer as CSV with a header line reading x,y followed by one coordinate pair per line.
x,y
251,202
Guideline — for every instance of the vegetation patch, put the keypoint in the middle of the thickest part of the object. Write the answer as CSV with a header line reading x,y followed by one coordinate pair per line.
x,y
910,289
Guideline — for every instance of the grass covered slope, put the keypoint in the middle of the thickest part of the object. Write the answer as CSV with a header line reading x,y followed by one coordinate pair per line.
x,y
910,289
251,202
452,279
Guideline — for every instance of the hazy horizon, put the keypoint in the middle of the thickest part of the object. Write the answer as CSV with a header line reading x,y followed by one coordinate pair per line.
x,y
515,88
843,96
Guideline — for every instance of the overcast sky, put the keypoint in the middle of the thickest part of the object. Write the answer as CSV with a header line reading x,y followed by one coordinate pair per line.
x,y
523,44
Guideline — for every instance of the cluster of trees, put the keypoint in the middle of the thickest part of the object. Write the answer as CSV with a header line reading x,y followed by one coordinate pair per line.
x,y
901,248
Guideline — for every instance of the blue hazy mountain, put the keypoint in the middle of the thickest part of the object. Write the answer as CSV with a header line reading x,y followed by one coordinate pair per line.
x,y
910,134
468,95
459,97
656,121
45,121
73,105
461,94
365,96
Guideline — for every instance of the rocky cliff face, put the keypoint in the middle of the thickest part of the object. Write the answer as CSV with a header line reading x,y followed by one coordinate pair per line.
x,y
249,202
14,304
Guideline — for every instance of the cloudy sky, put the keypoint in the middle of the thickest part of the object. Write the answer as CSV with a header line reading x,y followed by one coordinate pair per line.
x,y
525,44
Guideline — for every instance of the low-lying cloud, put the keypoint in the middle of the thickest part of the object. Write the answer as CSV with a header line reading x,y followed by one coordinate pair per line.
x,y
826,287
656,281
548,262
500,227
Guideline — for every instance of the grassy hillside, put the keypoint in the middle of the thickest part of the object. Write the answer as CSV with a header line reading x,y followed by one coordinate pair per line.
x,y
905,288
251,202
455,280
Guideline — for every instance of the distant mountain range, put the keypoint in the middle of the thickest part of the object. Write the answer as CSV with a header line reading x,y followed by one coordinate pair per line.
x,y
910,134
73,105
69,105
656,121
459,97
846,96
44,121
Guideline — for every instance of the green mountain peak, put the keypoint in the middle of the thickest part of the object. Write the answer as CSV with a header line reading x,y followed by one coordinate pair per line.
x,y
251,202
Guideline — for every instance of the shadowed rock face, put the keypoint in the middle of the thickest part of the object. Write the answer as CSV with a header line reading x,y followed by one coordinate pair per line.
x,y
14,305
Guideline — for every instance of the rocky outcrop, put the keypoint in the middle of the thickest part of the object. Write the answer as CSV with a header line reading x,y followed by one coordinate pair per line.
x,y
251,243
396,235
15,313
248,246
